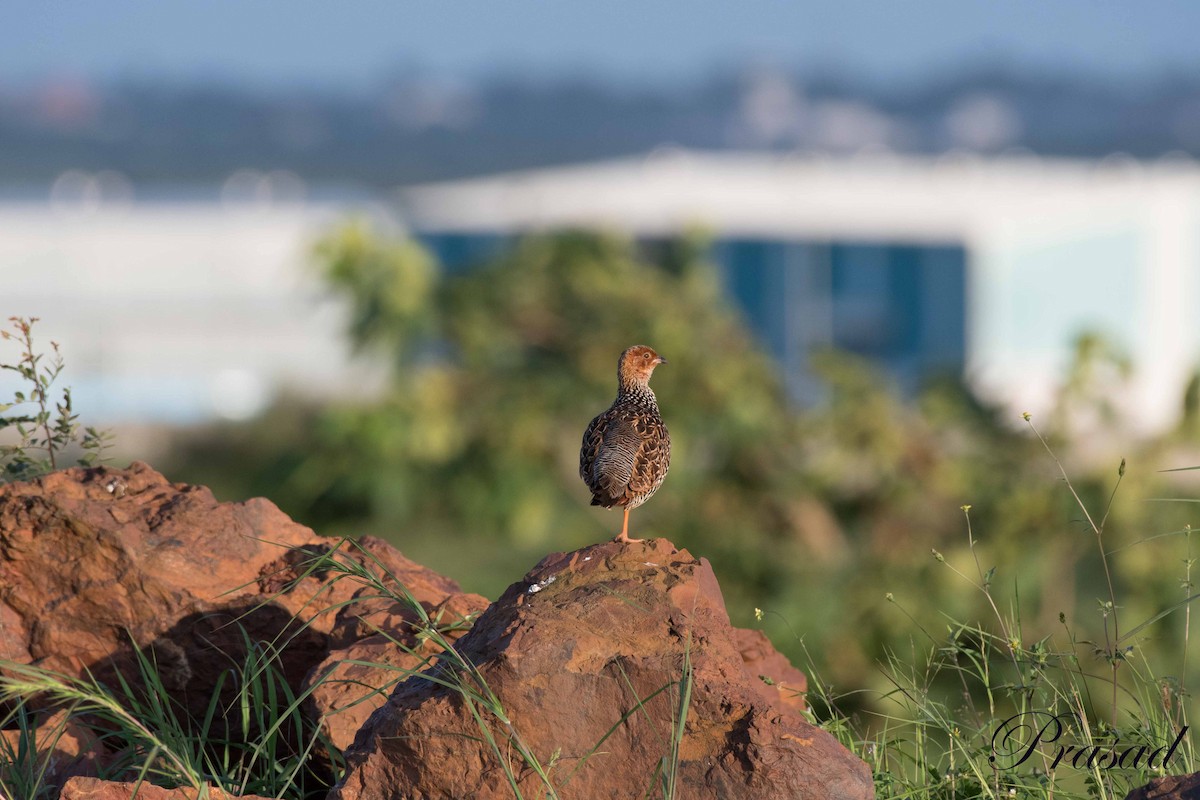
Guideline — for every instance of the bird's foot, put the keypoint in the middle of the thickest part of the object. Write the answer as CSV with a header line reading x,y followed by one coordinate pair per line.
x,y
624,537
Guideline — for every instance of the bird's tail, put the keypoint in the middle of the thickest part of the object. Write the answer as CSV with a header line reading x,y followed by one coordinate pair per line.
x,y
604,500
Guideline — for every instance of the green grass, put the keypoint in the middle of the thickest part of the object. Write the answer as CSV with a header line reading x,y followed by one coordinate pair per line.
x,y
940,731
23,774
253,740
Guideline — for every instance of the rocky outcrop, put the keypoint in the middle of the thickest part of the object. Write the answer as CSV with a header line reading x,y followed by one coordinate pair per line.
x,y
90,559
612,670
94,789
1169,787
605,673
96,561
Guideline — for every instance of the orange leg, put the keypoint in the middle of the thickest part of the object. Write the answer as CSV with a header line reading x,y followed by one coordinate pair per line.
x,y
623,536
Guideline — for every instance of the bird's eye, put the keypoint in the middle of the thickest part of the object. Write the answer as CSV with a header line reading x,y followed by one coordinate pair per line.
x,y
645,355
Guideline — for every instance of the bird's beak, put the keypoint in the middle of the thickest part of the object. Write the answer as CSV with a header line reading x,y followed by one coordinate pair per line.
x,y
659,360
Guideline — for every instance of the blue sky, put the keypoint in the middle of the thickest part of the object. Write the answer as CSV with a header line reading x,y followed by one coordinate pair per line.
x,y
354,43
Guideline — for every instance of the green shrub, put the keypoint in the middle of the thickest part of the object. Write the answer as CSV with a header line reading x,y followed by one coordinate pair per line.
x,y
44,428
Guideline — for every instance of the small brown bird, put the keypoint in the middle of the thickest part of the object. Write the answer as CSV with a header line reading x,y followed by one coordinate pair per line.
x,y
626,450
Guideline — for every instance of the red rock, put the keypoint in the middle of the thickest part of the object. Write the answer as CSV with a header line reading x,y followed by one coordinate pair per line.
x,y
92,560
778,679
570,654
382,648
1170,787
95,789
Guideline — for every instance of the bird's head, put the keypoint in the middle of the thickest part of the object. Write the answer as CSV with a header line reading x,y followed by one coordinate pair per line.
x,y
637,364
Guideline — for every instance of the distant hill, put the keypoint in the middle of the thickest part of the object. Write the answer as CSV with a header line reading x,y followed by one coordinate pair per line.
x,y
422,129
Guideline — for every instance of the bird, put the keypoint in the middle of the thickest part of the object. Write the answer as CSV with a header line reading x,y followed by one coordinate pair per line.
x,y
626,450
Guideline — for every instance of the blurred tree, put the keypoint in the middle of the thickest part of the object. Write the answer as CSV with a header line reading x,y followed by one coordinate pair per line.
x,y
1189,419
1097,372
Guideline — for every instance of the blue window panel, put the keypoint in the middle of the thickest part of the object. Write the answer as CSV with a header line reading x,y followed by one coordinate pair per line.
x,y
459,252
902,306
754,275
943,304
868,316
783,291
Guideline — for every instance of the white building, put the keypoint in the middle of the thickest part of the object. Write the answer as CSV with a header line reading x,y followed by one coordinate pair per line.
x,y
176,312
991,267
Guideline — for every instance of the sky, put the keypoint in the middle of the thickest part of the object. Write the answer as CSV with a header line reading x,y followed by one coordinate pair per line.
x,y
356,42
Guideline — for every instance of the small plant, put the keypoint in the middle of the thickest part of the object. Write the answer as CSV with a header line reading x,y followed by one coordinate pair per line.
x,y
45,428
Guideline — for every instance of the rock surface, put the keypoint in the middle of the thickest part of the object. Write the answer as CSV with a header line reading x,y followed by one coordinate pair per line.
x,y
377,645
93,561
1170,787
95,789
589,657
778,679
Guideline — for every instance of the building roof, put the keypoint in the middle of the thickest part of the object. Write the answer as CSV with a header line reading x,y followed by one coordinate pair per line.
x,y
868,197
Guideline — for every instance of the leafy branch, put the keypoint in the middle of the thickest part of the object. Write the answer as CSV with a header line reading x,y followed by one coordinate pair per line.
x,y
45,428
